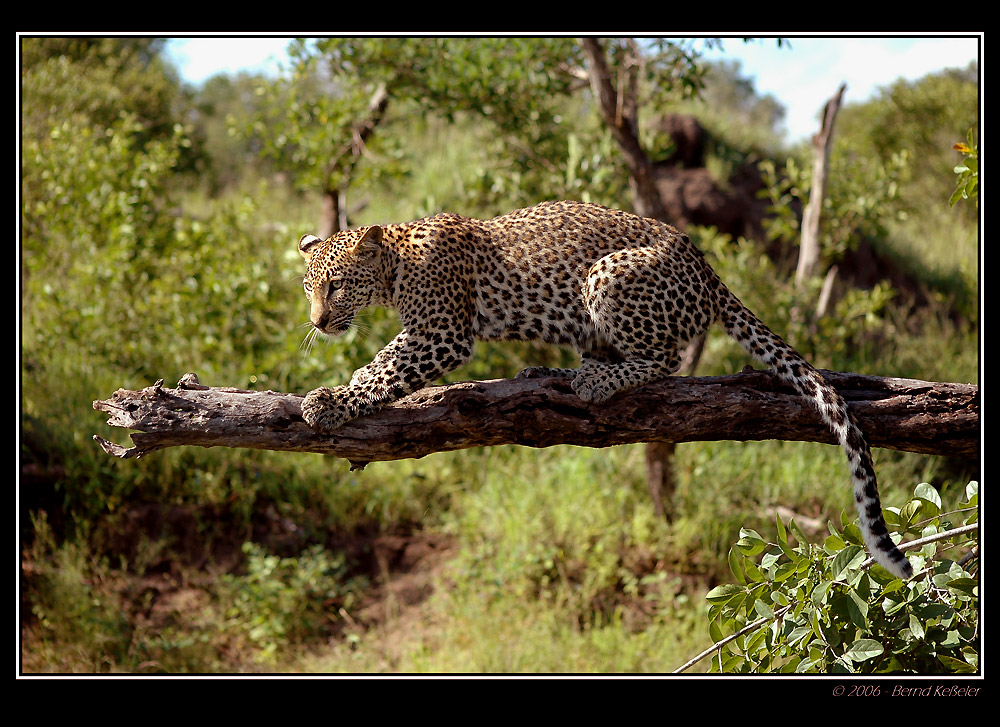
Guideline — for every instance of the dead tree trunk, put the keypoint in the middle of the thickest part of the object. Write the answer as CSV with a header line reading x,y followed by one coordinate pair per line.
x,y
660,479
903,414
822,141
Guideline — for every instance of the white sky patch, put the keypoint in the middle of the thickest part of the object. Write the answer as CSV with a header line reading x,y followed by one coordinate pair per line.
x,y
198,59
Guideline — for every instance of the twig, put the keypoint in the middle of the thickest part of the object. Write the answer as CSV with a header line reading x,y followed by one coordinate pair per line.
x,y
719,644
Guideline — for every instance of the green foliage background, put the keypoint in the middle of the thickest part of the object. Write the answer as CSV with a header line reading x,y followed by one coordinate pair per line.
x,y
157,234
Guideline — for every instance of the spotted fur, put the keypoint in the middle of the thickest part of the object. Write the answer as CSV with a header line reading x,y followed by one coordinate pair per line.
x,y
628,293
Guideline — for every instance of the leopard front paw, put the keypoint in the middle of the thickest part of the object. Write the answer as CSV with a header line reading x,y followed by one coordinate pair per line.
x,y
327,409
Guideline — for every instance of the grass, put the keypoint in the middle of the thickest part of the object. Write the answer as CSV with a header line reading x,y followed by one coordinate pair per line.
x,y
558,566
555,571
476,632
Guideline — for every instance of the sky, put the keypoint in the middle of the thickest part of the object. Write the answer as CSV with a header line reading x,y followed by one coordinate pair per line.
x,y
802,77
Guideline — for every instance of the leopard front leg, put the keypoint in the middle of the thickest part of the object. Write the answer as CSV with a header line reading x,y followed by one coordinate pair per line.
x,y
409,362
364,375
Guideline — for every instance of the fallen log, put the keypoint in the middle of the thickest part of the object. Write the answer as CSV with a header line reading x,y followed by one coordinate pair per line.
x,y
902,414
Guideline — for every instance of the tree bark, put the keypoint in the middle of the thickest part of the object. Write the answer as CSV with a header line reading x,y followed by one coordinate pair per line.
x,y
619,112
902,414
330,216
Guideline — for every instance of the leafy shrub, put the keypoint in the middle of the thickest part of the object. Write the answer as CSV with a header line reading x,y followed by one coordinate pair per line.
x,y
816,609
280,601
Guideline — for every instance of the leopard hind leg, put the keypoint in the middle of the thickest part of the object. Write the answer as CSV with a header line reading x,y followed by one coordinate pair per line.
x,y
627,294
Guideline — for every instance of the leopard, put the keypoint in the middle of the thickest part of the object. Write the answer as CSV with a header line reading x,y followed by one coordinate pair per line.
x,y
627,292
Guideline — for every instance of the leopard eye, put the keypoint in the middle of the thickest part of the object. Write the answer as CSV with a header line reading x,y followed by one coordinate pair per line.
x,y
307,287
335,284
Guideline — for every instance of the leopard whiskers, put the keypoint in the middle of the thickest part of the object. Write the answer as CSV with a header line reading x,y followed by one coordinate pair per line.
x,y
310,338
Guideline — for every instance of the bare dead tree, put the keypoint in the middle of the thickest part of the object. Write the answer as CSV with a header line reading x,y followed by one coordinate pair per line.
x,y
822,141
902,414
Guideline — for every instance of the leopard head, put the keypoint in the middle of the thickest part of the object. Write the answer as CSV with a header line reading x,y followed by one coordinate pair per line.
x,y
343,276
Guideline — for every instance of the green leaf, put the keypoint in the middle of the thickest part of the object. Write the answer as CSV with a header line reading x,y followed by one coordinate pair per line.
x,y
846,558
797,633
894,585
892,519
753,573
784,571
841,665
833,543
858,608
734,566
763,609
817,627
928,494
715,632
756,593
956,665
750,543
971,490
807,665
910,511
852,533
969,586
731,662
797,532
756,640
971,656
864,649
724,593
820,591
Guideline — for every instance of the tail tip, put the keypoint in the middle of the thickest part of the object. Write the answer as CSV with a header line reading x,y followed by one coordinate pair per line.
x,y
897,564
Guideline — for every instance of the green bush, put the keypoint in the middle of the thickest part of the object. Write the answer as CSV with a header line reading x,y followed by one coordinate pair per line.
x,y
78,623
281,601
815,609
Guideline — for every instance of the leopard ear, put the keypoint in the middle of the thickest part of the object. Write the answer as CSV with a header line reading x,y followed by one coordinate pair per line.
x,y
370,243
307,244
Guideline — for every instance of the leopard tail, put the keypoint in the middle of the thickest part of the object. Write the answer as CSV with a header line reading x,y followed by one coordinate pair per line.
x,y
768,348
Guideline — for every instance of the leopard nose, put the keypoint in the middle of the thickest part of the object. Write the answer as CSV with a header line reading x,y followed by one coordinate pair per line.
x,y
321,321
